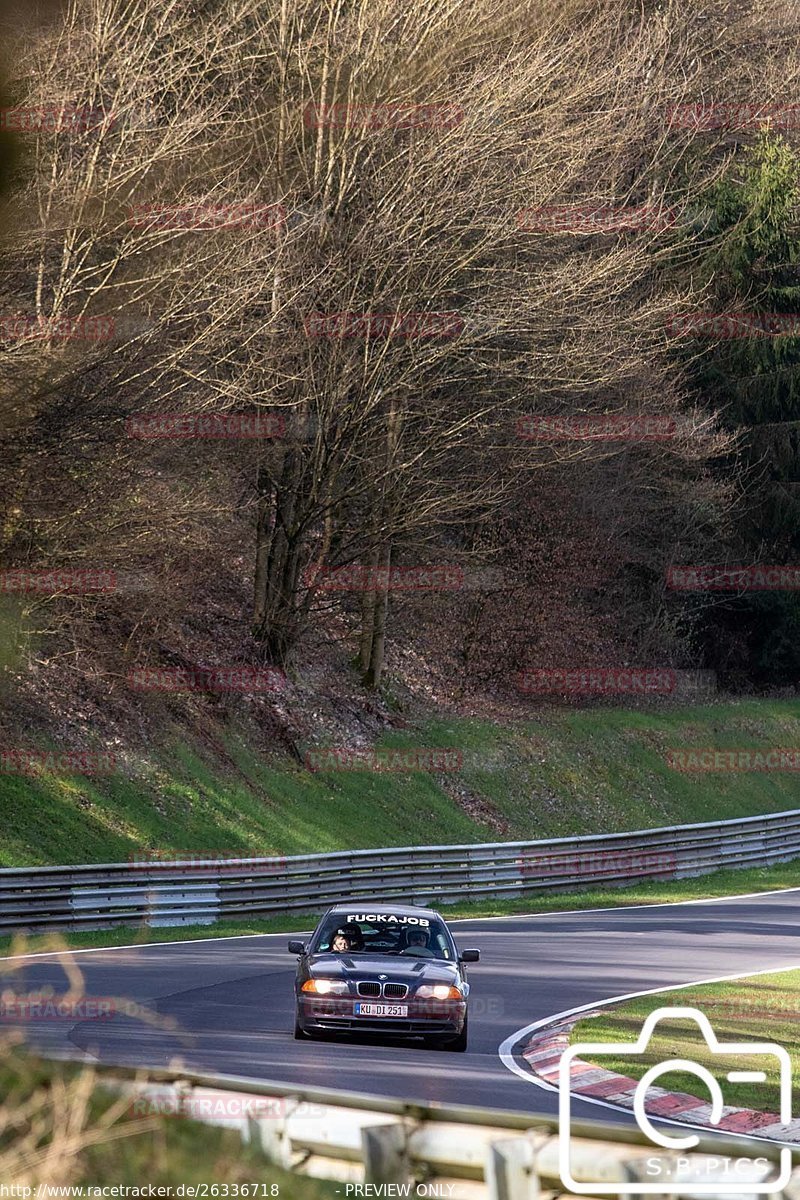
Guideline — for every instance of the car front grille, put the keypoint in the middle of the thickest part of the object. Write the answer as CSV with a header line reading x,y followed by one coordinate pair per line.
x,y
393,991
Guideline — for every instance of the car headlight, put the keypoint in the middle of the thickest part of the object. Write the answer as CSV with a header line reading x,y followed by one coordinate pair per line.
x,y
438,991
326,987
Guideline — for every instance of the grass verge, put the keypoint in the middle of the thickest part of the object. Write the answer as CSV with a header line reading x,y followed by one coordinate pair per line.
x,y
563,772
756,1008
58,1126
720,884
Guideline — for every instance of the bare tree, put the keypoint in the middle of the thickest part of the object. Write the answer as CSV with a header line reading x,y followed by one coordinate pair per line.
x,y
248,170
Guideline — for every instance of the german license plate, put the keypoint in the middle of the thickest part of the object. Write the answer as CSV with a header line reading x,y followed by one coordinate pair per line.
x,y
381,1010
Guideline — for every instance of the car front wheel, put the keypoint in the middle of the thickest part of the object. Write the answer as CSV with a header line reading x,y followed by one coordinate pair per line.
x,y
459,1044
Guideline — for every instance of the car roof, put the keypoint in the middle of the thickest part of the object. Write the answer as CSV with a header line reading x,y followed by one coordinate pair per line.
x,y
369,906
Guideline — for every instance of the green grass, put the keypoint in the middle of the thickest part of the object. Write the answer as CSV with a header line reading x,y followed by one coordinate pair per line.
x,y
758,1008
721,883
101,1142
565,772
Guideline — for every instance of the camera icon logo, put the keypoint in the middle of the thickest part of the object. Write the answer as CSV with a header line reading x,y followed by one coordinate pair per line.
x,y
743,1175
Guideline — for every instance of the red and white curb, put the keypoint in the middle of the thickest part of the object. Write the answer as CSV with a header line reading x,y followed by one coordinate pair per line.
x,y
543,1055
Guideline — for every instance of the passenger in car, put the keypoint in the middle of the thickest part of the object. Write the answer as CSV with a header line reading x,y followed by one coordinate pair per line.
x,y
347,939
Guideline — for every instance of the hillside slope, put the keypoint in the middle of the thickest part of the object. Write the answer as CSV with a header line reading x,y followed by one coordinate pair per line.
x,y
564,772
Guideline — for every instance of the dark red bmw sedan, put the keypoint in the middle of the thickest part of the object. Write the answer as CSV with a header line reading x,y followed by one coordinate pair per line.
x,y
383,968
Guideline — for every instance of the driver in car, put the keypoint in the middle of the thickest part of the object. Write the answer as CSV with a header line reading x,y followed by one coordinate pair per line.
x,y
417,944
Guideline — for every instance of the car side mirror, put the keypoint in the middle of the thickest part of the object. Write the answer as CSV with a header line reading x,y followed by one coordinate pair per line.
x,y
296,947
470,956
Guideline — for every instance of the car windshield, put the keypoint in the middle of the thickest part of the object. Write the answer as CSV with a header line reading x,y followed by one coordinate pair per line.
x,y
383,933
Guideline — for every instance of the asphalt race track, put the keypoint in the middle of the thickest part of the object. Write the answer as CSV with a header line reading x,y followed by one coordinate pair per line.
x,y
230,1002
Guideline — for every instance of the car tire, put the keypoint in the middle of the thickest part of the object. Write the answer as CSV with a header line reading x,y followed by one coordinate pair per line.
x,y
459,1044
299,1035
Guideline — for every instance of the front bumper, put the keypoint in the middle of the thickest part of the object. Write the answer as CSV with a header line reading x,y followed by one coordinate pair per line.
x,y
442,1018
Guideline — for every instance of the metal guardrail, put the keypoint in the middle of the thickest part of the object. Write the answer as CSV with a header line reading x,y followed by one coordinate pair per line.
x,y
460,1153
197,892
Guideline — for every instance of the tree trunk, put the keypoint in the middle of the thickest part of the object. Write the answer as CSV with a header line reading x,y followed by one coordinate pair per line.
x,y
372,679
368,610
277,568
263,541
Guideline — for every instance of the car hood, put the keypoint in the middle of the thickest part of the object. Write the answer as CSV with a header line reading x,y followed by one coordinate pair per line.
x,y
394,967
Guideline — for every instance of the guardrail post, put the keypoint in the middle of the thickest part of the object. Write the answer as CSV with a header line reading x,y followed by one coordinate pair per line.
x,y
635,1172
272,1139
385,1149
792,1189
510,1170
